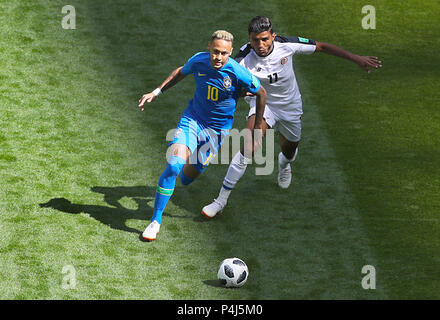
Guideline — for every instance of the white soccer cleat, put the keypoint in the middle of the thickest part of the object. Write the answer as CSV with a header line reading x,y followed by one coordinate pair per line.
x,y
212,209
151,231
284,176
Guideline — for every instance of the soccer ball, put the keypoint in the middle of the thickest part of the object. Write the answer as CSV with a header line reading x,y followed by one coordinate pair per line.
x,y
233,272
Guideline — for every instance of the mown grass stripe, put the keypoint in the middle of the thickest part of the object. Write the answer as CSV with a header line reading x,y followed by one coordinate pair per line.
x,y
383,127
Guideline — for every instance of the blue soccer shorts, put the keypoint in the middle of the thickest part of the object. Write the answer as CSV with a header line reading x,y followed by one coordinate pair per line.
x,y
203,142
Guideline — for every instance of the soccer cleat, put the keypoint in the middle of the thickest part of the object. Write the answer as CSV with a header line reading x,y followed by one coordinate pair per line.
x,y
284,176
212,209
151,231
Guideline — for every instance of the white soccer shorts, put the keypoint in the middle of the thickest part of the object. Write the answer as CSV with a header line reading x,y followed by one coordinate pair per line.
x,y
289,125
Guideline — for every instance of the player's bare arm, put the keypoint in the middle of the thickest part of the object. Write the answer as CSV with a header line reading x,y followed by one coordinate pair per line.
x,y
256,126
170,81
260,105
364,62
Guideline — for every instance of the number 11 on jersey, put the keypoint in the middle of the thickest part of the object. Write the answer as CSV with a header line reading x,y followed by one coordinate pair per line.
x,y
273,77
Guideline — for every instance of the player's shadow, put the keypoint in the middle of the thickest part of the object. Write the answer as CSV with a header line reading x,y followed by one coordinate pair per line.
x,y
115,215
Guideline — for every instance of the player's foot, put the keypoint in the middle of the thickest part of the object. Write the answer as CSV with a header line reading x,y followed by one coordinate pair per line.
x,y
284,175
212,209
151,232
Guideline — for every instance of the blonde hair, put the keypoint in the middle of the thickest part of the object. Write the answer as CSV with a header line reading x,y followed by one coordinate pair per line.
x,y
222,34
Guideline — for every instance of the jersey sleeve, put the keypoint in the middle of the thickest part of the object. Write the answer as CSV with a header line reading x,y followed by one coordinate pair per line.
x,y
298,45
248,81
188,66
244,51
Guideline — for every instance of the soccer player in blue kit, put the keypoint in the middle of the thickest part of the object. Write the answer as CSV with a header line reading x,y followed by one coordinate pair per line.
x,y
207,118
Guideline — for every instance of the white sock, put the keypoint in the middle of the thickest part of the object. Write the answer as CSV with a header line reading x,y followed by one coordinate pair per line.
x,y
223,195
283,161
235,171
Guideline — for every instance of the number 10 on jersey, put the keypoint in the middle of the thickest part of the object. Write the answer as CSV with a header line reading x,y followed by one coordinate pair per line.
x,y
212,93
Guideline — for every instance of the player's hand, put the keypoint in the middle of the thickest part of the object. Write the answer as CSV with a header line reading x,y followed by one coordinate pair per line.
x,y
149,97
245,93
367,62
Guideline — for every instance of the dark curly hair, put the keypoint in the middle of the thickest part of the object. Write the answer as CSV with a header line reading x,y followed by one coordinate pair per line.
x,y
260,24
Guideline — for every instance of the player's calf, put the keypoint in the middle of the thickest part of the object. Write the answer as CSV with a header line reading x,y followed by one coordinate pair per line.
x,y
185,179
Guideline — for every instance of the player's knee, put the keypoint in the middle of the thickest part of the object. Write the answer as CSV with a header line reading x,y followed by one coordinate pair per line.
x,y
239,160
174,170
175,165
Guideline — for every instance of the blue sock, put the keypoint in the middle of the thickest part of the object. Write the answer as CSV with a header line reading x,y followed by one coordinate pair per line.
x,y
184,179
165,186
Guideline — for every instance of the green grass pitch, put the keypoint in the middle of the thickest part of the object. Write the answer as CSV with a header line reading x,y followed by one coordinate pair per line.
x,y
79,162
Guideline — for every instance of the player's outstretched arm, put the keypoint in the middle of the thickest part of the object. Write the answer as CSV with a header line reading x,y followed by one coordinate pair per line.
x,y
364,62
170,81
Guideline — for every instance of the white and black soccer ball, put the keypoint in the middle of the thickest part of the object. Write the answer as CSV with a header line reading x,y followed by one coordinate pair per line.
x,y
233,272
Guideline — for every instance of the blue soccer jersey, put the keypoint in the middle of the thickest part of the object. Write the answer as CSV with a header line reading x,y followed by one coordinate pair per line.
x,y
217,91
